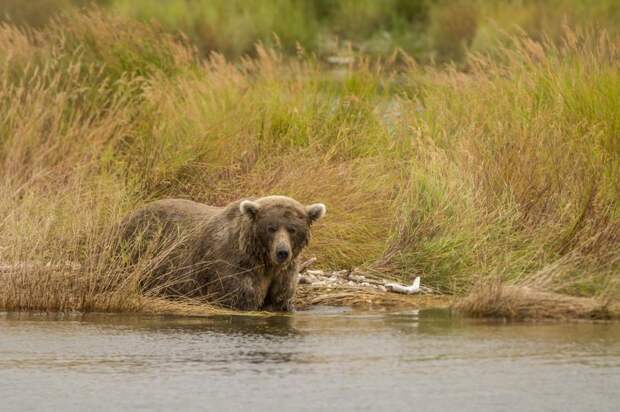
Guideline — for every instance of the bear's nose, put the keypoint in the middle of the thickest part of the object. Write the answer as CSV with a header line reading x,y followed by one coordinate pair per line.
x,y
282,255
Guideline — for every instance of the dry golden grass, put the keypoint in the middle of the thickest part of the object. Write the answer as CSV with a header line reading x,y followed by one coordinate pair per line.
x,y
521,303
506,170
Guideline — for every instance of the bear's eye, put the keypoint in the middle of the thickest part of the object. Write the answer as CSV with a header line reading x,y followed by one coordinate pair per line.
x,y
272,228
291,230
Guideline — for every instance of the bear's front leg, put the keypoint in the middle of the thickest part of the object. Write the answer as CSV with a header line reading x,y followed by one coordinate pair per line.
x,y
282,291
239,293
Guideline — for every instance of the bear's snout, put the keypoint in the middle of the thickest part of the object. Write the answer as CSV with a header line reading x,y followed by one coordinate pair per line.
x,y
281,249
282,254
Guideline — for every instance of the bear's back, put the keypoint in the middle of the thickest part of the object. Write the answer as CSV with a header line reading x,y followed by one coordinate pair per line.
x,y
182,208
167,215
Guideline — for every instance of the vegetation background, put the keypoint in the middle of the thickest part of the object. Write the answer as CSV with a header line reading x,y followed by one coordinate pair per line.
x,y
469,142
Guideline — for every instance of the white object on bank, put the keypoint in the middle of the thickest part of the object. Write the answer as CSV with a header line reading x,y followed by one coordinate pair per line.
x,y
407,290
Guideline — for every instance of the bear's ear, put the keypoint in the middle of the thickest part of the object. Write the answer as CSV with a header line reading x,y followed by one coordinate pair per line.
x,y
249,208
316,211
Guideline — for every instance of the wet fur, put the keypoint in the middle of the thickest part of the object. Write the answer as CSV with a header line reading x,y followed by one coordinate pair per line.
x,y
221,254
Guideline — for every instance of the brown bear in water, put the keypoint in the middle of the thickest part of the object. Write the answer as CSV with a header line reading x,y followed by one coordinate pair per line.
x,y
243,256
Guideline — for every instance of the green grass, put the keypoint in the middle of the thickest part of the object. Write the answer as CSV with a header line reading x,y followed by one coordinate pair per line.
x,y
508,170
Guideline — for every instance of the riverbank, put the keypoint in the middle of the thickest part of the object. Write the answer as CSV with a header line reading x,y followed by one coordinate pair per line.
x,y
509,303
55,292
494,300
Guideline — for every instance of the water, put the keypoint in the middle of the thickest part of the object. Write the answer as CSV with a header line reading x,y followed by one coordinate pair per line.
x,y
325,359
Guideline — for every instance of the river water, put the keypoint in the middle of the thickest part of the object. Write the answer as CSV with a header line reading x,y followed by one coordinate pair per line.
x,y
323,359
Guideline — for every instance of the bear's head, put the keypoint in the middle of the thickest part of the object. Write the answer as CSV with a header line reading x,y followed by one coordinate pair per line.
x,y
280,226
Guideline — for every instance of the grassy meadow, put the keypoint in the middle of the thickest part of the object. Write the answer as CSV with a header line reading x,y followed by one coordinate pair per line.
x,y
502,166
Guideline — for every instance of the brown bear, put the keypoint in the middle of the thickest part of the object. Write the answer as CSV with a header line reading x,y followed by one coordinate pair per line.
x,y
242,256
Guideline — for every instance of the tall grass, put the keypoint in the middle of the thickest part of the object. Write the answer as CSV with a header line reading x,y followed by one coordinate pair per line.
x,y
507,171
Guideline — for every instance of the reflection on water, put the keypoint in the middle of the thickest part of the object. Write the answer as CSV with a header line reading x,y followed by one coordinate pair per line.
x,y
327,358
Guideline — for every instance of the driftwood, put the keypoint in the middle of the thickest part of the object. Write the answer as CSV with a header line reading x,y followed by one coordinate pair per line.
x,y
310,295
305,265
355,279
